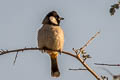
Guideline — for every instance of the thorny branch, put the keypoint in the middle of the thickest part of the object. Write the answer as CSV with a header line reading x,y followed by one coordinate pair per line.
x,y
77,55
68,53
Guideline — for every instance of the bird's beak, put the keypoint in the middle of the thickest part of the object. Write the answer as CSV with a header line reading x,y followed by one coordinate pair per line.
x,y
61,18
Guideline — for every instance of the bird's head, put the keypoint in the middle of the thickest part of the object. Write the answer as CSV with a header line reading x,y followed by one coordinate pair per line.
x,y
52,18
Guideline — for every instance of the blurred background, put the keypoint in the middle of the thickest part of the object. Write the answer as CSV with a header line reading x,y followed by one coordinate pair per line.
x,y
19,24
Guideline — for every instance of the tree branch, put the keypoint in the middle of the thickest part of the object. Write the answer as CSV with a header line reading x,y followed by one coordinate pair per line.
x,y
107,64
77,55
68,53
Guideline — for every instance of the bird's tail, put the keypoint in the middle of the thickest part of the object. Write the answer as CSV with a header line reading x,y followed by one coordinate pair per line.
x,y
54,65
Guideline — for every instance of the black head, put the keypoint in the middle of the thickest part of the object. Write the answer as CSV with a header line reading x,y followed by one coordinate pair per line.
x,y
52,18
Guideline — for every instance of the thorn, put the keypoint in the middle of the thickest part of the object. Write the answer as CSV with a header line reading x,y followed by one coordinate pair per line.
x,y
22,50
84,59
15,58
2,50
25,48
75,50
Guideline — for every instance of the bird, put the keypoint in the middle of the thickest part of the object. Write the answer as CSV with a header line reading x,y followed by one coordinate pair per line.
x,y
51,36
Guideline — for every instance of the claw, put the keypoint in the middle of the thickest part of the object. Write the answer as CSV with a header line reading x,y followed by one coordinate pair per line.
x,y
60,52
42,51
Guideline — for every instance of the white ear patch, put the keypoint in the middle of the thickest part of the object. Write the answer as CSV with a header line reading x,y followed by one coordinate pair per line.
x,y
53,20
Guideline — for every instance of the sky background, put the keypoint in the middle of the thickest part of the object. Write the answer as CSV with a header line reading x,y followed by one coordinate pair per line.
x,y
19,24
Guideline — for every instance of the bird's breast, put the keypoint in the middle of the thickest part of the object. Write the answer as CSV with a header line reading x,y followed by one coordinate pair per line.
x,y
51,37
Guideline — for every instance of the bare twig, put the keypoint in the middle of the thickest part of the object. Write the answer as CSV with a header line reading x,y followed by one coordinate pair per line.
x,y
82,49
107,64
77,69
17,50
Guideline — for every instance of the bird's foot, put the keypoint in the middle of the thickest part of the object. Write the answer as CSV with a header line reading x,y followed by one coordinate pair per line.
x,y
42,51
60,52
